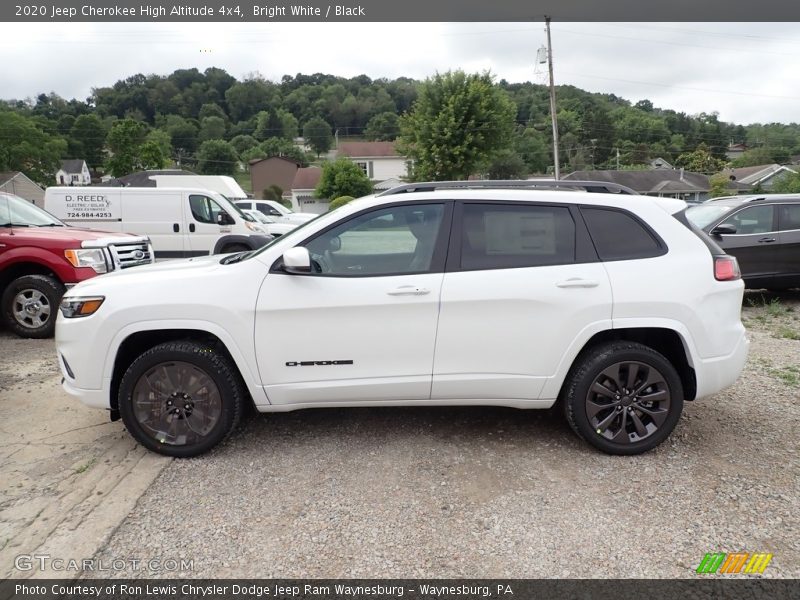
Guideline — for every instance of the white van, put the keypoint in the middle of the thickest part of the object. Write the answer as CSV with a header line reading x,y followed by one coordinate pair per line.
x,y
180,222
222,184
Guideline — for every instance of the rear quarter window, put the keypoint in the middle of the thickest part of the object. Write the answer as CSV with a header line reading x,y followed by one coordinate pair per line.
x,y
618,235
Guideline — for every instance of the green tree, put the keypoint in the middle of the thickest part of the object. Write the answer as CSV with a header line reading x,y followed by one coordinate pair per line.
x,y
318,135
343,177
507,164
242,143
125,141
340,201
787,184
273,192
458,122
25,147
216,157
90,133
720,186
700,161
383,127
212,128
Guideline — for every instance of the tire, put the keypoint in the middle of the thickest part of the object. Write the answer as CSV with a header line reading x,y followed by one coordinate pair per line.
x,y
623,423
235,248
164,391
30,305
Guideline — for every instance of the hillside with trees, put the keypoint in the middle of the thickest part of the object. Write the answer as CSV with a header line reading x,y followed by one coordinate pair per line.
x,y
213,123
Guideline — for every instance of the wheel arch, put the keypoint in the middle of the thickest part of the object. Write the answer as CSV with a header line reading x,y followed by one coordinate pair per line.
x,y
664,340
137,342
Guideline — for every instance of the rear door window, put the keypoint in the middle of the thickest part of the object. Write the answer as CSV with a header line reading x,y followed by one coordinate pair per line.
x,y
497,236
618,235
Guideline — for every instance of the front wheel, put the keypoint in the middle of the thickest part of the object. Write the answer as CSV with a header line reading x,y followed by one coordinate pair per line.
x,y
30,305
181,398
623,398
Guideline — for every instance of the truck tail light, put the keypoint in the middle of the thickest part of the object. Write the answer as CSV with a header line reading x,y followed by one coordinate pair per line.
x,y
726,268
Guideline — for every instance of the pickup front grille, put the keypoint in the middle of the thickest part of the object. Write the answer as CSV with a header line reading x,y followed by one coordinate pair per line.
x,y
131,255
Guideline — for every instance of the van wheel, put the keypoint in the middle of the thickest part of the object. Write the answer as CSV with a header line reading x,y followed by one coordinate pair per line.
x,y
181,398
235,248
30,305
623,398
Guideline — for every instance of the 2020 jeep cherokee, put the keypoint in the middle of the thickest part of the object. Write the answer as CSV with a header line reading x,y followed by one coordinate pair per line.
x,y
429,294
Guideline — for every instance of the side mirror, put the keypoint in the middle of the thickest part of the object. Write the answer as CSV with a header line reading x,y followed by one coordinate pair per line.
x,y
224,218
297,260
723,230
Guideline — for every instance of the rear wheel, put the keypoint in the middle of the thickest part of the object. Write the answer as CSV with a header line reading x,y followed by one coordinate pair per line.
x,y
181,398
30,305
623,398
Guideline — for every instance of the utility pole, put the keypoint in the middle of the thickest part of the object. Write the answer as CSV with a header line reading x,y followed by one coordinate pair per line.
x,y
553,117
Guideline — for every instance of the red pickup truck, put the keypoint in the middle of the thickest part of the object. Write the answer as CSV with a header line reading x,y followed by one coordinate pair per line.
x,y
40,257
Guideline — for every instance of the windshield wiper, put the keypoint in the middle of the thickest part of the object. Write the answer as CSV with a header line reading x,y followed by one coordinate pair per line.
x,y
16,225
234,258
51,225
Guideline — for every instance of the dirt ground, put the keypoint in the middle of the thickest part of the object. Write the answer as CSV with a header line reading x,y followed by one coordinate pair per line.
x,y
457,492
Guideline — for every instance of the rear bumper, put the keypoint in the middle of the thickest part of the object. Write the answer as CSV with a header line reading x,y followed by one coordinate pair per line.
x,y
716,374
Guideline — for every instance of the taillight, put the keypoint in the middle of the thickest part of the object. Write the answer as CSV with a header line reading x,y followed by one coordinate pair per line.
x,y
726,268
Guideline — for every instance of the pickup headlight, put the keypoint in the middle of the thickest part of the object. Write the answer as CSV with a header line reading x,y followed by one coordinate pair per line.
x,y
80,307
88,257
254,227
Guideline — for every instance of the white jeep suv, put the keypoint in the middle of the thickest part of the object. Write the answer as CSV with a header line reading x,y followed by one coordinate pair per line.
x,y
466,293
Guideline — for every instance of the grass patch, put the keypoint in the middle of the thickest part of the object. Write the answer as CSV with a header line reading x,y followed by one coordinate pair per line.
x,y
788,333
86,467
789,375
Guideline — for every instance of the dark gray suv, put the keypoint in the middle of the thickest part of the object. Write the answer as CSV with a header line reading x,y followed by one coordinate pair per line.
x,y
761,231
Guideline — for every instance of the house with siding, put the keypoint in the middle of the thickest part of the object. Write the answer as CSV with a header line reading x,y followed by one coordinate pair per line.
x,y
73,172
275,170
378,160
761,176
302,195
19,184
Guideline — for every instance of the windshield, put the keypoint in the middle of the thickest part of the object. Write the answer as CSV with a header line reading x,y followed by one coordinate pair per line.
x,y
257,216
16,211
238,210
291,233
707,213
279,207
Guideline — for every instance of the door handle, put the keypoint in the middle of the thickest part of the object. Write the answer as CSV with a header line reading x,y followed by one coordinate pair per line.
x,y
191,227
176,228
766,240
577,282
408,290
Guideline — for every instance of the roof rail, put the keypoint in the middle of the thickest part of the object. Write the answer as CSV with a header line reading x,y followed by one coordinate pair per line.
x,y
602,187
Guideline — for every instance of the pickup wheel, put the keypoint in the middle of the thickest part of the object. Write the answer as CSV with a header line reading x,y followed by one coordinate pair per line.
x,y
181,398
623,398
30,305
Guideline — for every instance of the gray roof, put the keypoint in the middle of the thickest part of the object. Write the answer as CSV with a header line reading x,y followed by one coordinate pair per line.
x,y
74,165
7,176
653,181
142,178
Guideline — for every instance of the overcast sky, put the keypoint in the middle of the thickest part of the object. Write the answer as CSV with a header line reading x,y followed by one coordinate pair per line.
x,y
747,72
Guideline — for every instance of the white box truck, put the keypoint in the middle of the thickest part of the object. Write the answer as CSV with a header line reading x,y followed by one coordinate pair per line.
x,y
181,222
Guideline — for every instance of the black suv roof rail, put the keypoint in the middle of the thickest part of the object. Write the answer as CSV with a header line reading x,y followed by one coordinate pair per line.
x,y
601,187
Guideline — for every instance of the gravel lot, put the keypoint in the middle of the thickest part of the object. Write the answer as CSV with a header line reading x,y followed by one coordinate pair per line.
x,y
487,492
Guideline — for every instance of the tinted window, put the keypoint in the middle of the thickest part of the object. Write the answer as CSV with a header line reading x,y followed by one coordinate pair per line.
x,y
790,216
753,219
502,237
618,236
399,239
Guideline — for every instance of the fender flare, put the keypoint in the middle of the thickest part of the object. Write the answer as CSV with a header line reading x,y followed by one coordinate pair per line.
x,y
253,242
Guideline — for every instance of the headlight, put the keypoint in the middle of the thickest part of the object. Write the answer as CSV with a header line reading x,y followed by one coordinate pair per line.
x,y
88,257
80,307
254,227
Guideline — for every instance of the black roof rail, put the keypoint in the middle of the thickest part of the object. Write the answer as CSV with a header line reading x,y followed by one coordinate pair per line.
x,y
602,187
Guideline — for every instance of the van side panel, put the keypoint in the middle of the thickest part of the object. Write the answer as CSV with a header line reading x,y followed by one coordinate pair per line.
x,y
158,214
86,207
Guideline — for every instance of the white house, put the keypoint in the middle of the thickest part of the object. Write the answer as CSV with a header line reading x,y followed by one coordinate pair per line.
x,y
379,160
303,196
73,172
763,176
